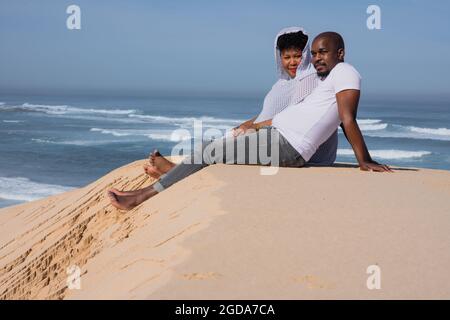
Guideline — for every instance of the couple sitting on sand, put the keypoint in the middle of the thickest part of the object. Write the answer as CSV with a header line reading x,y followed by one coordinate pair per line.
x,y
316,93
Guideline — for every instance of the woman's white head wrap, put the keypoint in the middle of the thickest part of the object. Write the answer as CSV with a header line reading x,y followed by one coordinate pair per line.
x,y
288,91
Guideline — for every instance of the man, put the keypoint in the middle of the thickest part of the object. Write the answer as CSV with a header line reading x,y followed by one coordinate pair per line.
x,y
299,129
296,79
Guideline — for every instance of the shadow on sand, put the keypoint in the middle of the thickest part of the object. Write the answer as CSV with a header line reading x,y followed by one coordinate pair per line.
x,y
352,165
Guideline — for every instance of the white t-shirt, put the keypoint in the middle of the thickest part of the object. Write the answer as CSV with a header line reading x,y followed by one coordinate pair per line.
x,y
311,122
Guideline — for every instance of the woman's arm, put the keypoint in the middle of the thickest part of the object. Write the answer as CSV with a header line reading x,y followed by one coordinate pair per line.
x,y
259,125
243,127
254,127
247,124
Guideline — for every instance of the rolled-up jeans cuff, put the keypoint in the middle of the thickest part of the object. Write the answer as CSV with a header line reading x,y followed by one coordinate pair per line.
x,y
158,187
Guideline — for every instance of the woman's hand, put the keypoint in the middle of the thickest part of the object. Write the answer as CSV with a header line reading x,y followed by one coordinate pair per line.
x,y
250,126
242,129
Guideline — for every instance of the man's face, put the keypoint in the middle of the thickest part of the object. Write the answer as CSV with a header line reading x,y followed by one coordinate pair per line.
x,y
325,56
290,60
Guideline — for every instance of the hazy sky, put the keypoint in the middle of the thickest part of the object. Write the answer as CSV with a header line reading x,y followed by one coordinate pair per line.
x,y
213,46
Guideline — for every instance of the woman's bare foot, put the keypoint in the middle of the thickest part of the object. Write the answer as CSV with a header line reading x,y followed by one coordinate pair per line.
x,y
152,171
157,160
158,166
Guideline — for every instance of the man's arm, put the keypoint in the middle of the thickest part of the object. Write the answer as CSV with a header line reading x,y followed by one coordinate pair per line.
x,y
347,101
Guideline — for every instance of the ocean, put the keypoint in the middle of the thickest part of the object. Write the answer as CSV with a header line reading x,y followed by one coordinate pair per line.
x,y
51,144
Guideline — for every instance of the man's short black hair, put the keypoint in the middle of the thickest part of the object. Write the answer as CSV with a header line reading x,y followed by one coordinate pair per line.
x,y
294,40
334,37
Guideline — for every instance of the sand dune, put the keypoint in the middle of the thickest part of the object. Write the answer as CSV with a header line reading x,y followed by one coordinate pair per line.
x,y
229,233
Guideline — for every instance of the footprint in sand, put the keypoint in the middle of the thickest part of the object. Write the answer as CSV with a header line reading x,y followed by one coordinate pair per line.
x,y
314,282
201,276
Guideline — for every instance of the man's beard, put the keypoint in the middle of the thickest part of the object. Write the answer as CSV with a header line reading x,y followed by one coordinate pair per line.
x,y
323,74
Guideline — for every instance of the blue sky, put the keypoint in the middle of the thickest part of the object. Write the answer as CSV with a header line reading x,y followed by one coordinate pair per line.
x,y
213,46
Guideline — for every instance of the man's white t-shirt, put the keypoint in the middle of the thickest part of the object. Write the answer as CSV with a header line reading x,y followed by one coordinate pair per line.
x,y
310,123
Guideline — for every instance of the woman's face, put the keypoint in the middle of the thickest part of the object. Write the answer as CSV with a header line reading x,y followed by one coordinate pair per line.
x,y
290,60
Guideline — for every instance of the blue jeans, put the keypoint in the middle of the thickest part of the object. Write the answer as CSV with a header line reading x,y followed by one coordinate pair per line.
x,y
265,147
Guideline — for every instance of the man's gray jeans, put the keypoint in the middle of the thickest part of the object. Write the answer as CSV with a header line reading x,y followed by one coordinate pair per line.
x,y
265,147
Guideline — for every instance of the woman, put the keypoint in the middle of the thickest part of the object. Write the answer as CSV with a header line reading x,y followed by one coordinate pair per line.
x,y
297,78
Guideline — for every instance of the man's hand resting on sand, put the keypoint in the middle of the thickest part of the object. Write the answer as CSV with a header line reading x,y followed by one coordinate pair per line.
x,y
374,166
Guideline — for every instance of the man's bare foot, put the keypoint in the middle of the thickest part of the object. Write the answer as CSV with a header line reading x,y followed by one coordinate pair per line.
x,y
127,200
122,201
158,166
127,193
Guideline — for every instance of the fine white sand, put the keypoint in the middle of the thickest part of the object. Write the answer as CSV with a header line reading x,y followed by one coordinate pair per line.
x,y
228,232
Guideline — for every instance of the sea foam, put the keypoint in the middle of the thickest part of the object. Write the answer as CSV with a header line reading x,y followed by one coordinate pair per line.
x,y
23,189
65,109
387,154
